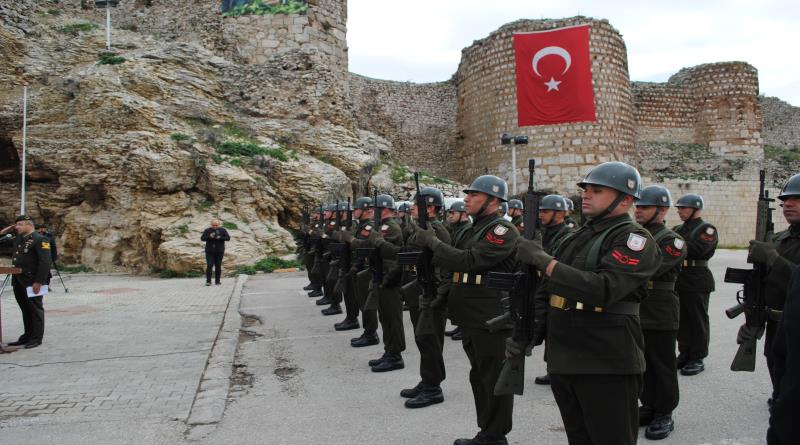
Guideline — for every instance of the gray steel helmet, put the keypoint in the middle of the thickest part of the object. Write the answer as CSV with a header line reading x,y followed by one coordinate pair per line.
x,y
553,202
791,188
570,204
344,206
503,209
616,175
515,204
433,196
691,200
458,206
404,206
491,185
363,202
384,202
330,207
655,195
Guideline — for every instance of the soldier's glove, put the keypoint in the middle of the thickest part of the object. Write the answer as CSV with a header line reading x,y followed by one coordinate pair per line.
x,y
515,348
762,252
426,238
346,237
531,252
749,333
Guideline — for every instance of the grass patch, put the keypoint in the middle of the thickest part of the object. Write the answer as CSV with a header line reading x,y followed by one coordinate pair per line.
x,y
177,137
230,225
167,273
257,7
434,179
217,158
183,229
74,29
247,149
203,206
54,11
268,265
74,268
236,162
399,173
110,59
326,159
245,270
781,154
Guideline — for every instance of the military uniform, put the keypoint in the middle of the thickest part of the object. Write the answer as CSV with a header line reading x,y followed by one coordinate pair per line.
x,y
361,277
784,428
660,315
32,253
390,305
694,285
315,255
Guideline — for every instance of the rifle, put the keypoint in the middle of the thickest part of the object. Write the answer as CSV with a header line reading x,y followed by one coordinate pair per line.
x,y
375,260
307,226
751,299
426,273
341,251
522,288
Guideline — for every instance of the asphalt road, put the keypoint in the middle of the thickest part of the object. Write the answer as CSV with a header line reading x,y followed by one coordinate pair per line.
x,y
299,382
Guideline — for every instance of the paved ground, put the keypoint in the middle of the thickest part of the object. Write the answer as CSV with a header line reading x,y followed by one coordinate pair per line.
x,y
121,361
123,357
310,387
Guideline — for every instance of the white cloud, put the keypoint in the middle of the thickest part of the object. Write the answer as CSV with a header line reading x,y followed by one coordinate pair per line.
x,y
421,41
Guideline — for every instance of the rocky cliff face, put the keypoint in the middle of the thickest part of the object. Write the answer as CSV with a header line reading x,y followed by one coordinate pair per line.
x,y
128,162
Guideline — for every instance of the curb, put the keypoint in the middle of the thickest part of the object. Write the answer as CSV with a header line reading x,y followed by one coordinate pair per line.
x,y
212,392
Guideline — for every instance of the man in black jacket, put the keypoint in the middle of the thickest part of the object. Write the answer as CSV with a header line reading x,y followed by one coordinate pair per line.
x,y
215,238
32,255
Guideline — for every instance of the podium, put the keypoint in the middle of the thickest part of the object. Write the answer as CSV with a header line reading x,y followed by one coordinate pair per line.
x,y
9,271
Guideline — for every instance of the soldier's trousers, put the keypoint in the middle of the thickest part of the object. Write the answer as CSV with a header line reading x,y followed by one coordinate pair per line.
x,y
350,303
390,313
598,409
330,283
660,389
369,318
486,352
32,313
775,372
315,274
431,361
308,263
693,333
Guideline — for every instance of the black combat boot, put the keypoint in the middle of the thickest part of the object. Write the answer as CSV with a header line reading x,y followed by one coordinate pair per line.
x,y
410,393
452,331
659,428
542,379
378,361
347,325
309,287
315,293
333,310
694,367
427,397
365,340
457,335
390,363
323,301
482,439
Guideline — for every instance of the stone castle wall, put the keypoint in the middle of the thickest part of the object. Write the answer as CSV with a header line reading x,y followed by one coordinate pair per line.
x,y
418,119
781,123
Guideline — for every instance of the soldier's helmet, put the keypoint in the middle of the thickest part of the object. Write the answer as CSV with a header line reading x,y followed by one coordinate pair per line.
x,y
691,200
791,188
384,202
570,204
344,206
515,204
433,196
553,202
364,203
458,206
404,206
616,175
491,185
655,195
503,209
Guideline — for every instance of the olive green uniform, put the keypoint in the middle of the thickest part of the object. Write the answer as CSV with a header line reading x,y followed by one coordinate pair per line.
x,y
595,349
486,246
694,285
315,255
361,276
660,315
32,255
390,304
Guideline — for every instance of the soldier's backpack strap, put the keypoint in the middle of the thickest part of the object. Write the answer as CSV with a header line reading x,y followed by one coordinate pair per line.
x,y
593,258
781,236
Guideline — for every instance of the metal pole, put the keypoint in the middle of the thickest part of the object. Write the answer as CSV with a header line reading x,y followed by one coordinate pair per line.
x,y
24,145
514,169
108,27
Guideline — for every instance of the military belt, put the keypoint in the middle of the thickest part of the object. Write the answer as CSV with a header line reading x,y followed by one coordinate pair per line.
x,y
467,278
620,308
412,268
661,285
695,263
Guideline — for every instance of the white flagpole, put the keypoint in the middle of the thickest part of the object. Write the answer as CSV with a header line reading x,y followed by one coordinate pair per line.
x,y
24,144
514,169
108,27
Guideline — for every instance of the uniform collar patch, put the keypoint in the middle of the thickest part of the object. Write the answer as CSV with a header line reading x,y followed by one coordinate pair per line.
x,y
636,242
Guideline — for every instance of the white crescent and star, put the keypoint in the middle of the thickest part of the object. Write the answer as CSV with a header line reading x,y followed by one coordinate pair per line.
x,y
552,84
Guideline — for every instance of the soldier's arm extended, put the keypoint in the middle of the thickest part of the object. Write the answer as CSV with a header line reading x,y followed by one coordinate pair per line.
x,y
496,246
703,244
43,256
673,251
620,271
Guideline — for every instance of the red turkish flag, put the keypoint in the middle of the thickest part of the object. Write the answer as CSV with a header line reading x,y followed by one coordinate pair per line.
x,y
554,77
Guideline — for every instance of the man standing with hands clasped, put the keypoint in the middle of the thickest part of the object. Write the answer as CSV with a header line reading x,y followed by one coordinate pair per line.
x,y
32,255
215,237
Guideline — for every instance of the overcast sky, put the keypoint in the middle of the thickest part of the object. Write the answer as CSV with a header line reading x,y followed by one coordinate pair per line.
x,y
421,40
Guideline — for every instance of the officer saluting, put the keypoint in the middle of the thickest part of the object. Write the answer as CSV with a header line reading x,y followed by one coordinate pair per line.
x,y
596,278
32,255
487,246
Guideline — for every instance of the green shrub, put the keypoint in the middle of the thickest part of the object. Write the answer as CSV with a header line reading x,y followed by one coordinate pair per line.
x,y
54,11
110,59
246,270
326,159
240,149
257,7
276,153
177,137
399,173
229,225
236,162
167,273
75,29
183,229
217,158
270,263
203,206
781,154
